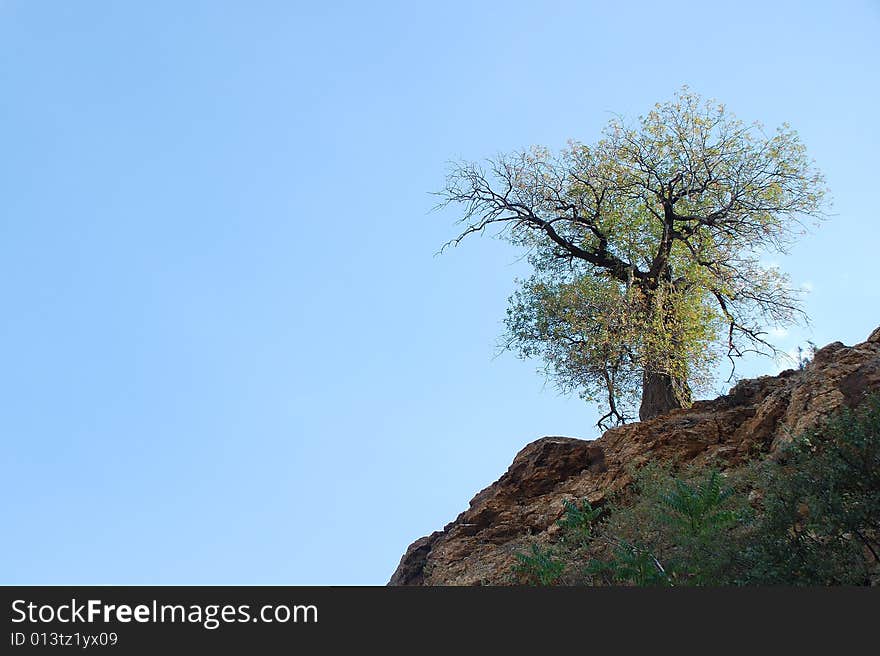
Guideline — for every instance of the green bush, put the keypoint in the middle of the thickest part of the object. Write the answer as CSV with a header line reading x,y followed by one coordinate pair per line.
x,y
820,523
678,530
540,567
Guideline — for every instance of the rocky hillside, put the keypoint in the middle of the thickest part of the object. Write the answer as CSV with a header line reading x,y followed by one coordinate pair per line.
x,y
757,416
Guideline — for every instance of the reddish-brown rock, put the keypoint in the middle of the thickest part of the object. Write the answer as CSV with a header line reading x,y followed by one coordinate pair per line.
x,y
756,416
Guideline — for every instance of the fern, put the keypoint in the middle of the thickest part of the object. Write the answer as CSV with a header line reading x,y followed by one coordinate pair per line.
x,y
577,522
541,567
698,509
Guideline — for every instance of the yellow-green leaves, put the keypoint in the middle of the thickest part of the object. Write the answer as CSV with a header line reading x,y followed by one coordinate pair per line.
x,y
647,244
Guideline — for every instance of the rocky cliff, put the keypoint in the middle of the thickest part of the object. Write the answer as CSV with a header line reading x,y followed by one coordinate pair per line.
x,y
756,417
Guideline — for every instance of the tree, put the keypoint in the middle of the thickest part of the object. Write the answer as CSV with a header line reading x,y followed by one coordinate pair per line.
x,y
647,248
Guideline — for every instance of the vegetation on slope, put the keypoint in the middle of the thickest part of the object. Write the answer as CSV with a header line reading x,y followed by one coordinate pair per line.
x,y
809,516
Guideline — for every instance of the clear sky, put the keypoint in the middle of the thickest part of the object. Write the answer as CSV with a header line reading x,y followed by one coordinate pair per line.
x,y
229,353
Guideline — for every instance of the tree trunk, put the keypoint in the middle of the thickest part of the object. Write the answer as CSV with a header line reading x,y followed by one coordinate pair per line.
x,y
662,393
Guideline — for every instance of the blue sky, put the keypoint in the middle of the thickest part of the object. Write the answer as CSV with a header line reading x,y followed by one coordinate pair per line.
x,y
229,352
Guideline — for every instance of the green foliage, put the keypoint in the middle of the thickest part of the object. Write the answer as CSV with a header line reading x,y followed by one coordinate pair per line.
x,y
578,328
629,564
821,519
597,335
577,522
698,510
811,516
540,567
685,526
647,246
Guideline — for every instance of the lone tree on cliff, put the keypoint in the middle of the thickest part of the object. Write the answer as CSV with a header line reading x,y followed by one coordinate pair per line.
x,y
646,248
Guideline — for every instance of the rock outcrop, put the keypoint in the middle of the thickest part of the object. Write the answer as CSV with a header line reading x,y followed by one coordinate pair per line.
x,y
756,416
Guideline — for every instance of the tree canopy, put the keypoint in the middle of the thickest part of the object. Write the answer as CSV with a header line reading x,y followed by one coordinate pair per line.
x,y
648,248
